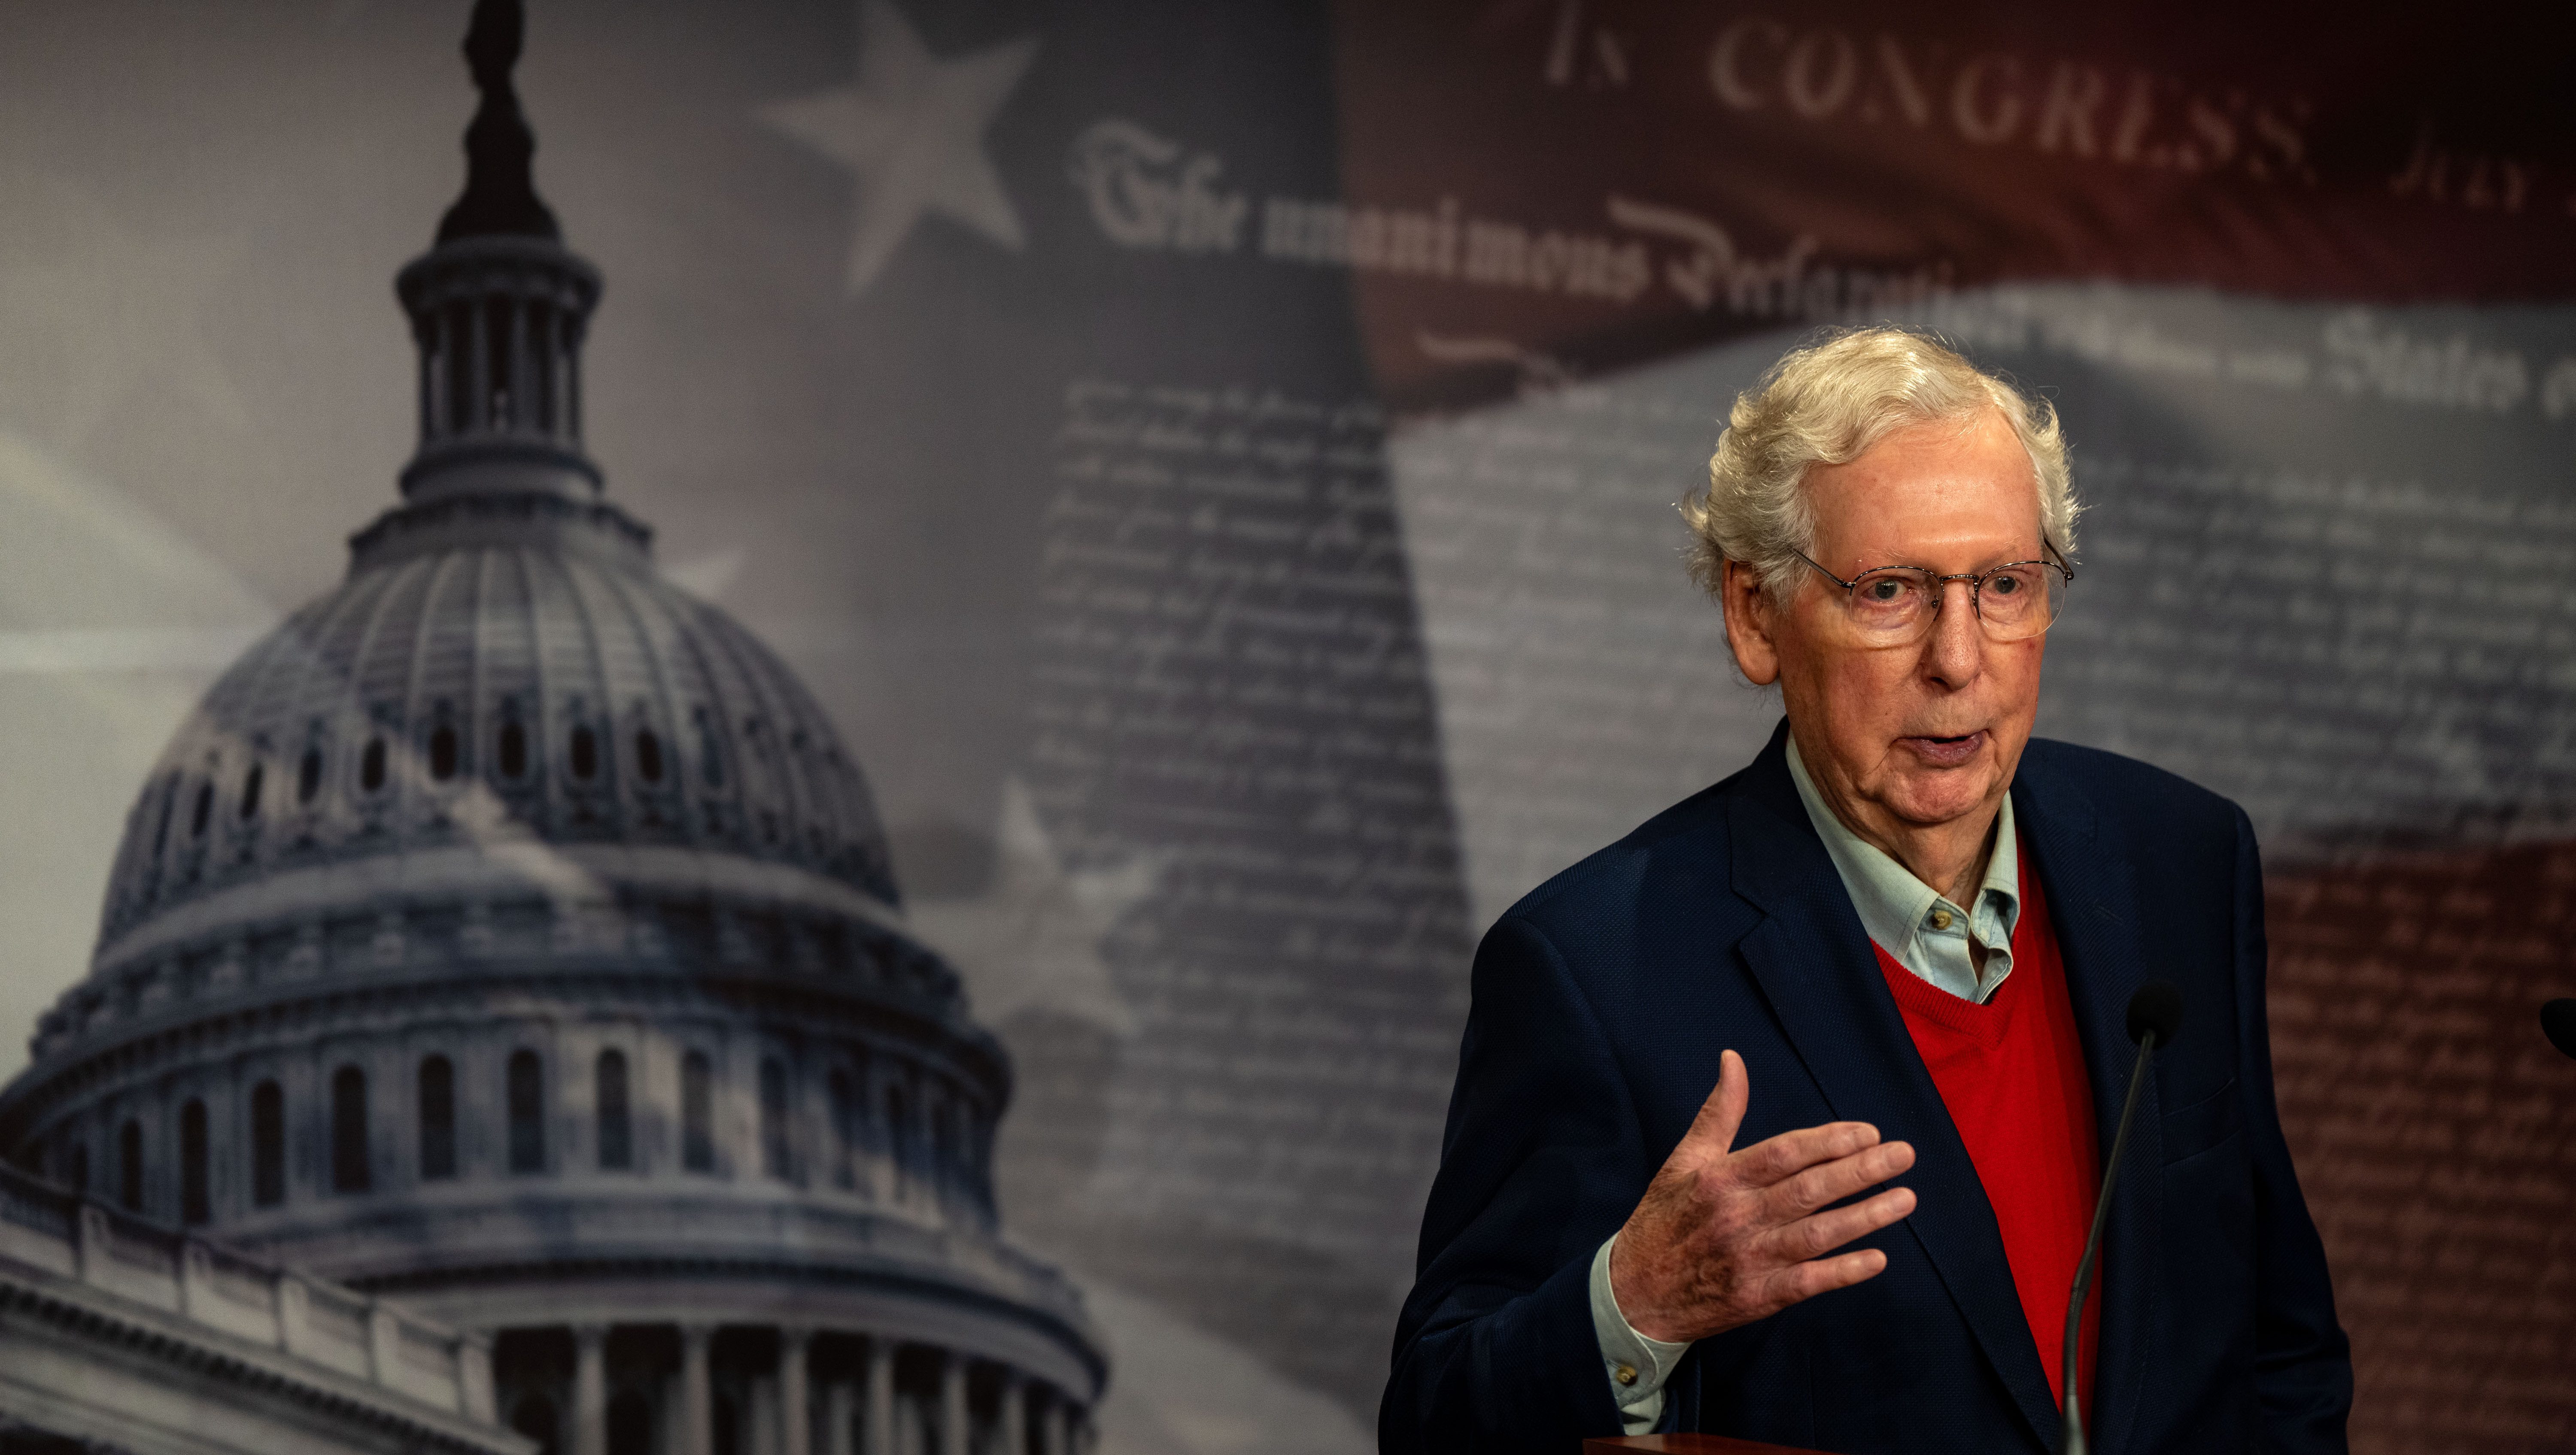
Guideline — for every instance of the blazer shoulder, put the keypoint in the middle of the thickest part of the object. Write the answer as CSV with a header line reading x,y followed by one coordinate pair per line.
x,y
1693,829
2148,799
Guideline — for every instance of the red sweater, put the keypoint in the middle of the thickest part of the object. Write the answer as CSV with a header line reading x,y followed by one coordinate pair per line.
x,y
2011,1072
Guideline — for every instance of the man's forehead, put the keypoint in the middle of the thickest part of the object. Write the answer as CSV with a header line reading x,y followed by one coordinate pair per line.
x,y
1932,471
1862,527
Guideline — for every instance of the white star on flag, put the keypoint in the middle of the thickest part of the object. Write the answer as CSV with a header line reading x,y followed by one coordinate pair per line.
x,y
911,131
1030,940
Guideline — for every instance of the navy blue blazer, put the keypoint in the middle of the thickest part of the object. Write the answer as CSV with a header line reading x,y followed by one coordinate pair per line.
x,y
1602,1001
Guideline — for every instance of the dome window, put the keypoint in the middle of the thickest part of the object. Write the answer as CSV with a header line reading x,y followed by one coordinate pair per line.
x,y
710,756
195,1203
308,776
76,1166
616,1128
129,1166
899,1140
697,1113
460,368
538,412
527,1102
371,765
775,1152
514,750
437,1119
498,408
204,812
845,1131
349,1130
267,1145
585,754
252,782
442,753
648,755
161,831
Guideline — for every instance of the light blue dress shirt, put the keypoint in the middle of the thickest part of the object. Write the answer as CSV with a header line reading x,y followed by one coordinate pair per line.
x,y
1921,930
1915,923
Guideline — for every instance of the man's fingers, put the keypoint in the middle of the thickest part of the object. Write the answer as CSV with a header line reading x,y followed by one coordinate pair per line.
x,y
1828,1183
1790,1153
1810,1237
1824,1275
1713,1130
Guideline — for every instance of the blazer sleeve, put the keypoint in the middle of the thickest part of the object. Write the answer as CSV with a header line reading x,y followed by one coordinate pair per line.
x,y
1542,1159
2303,1362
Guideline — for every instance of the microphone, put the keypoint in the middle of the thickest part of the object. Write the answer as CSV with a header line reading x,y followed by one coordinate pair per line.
x,y
2155,1014
2558,1022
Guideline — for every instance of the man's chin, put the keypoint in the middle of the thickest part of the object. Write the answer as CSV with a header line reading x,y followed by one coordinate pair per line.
x,y
1929,796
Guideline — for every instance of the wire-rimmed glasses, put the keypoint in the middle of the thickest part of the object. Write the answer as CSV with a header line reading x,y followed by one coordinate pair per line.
x,y
1894,606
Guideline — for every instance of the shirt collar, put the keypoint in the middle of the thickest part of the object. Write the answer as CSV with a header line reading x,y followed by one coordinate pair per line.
x,y
1897,909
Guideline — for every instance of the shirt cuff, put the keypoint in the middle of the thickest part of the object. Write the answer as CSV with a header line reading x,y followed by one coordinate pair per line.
x,y
1637,1366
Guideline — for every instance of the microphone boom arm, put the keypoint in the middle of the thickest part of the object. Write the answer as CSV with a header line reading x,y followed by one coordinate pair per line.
x,y
2073,1443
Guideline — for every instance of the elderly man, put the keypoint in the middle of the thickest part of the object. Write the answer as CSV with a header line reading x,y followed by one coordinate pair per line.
x,y
1783,1117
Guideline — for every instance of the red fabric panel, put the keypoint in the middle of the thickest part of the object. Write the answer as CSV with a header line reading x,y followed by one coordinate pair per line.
x,y
2011,1072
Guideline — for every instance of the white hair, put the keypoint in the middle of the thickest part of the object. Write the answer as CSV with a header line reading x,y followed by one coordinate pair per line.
x,y
1826,404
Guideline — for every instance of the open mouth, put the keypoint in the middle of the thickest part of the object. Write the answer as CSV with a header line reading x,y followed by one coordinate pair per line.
x,y
1947,752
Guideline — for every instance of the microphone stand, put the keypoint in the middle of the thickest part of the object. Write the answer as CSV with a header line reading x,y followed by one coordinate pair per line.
x,y
2073,1443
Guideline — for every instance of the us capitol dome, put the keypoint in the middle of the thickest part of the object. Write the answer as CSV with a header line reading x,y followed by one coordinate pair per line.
x,y
509,935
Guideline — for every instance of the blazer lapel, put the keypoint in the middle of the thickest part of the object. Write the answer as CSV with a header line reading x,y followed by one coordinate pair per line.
x,y
1813,962
2092,902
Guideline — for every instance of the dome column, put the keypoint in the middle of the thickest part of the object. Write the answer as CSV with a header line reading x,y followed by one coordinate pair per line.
x,y
953,1414
840,1408
880,1396
795,1417
1056,1431
589,1390
697,1392
1010,1419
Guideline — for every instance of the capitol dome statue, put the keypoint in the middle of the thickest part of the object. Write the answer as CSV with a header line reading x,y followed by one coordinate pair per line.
x,y
510,935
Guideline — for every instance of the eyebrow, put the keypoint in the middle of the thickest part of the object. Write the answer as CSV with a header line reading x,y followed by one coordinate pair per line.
x,y
1889,562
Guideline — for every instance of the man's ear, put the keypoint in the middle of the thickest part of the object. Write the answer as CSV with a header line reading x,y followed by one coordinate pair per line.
x,y
1748,624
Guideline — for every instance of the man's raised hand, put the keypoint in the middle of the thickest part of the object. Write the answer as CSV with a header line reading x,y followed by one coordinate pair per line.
x,y
1723,1238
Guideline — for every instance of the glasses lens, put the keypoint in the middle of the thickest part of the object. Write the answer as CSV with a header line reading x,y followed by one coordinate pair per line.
x,y
1891,602
2020,600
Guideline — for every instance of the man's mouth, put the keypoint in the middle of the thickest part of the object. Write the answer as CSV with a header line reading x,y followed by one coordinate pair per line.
x,y
1947,752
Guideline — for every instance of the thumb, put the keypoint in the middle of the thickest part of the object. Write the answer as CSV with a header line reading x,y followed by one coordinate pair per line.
x,y
1712,1132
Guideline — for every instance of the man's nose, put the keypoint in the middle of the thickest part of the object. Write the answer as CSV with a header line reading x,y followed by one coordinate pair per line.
x,y
1957,649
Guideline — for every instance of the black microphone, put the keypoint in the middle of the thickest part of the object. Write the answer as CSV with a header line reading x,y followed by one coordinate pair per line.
x,y
2155,1014
2558,1022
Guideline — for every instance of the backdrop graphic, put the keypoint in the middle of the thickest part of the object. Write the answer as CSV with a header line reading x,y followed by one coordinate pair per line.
x,y
1215,464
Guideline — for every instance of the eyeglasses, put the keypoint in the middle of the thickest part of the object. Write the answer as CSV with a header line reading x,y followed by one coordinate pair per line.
x,y
1894,606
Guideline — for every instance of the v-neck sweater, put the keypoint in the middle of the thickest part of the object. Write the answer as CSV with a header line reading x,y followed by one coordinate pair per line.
x,y
2011,1073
